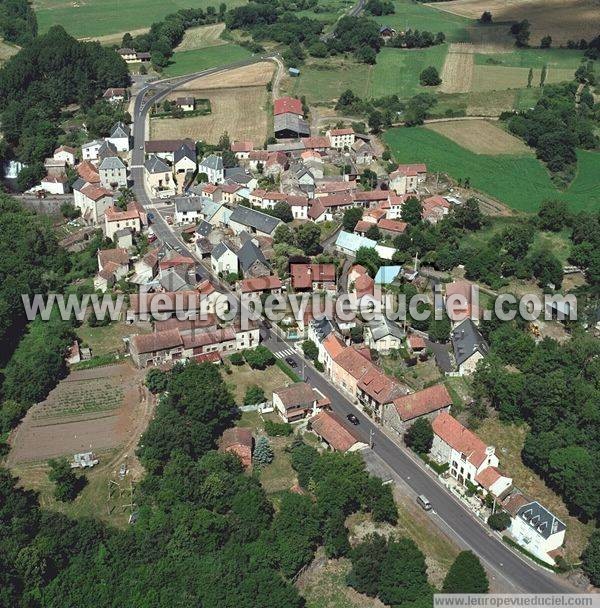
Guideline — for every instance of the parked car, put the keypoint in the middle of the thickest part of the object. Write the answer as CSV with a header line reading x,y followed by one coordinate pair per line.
x,y
353,419
291,362
424,503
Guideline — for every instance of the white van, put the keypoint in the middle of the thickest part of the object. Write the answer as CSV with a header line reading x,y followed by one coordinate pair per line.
x,y
424,502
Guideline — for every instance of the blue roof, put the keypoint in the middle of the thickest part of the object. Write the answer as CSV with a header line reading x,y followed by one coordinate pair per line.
x,y
209,208
386,274
353,242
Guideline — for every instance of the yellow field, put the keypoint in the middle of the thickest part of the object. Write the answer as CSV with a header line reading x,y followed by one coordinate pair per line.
x,y
257,74
118,37
496,78
480,136
457,73
202,36
562,19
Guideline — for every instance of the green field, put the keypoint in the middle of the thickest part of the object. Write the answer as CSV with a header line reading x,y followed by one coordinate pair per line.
x,y
532,58
521,182
413,15
397,70
187,62
90,19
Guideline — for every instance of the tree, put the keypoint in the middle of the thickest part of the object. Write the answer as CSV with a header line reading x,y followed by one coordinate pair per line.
x,y
412,211
284,234
486,17
529,78
499,521
373,233
403,573
419,436
521,31
439,329
283,211
466,575
543,75
156,380
430,77
369,258
369,179
310,350
335,536
254,394
308,237
546,268
468,215
553,215
375,121
68,484
351,217
367,559
591,558
417,109
237,359
546,42
263,452
259,358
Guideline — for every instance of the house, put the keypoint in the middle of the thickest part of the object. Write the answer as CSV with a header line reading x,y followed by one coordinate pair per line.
x,y
349,243
435,208
299,206
360,283
393,206
158,176
290,126
313,277
252,260
145,305
363,152
375,390
187,104
242,149
332,431
387,32
341,139
212,166
391,227
416,344
187,209
238,441
348,367
66,154
296,401
92,201
384,335
252,289
316,211
223,259
244,219
114,95
288,105
156,348
534,527
55,167
55,184
466,455
406,409
113,173
117,219
166,148
120,137
106,149
113,265
462,302
370,198
336,203
386,275
406,178
89,151
276,164
469,346
128,55
184,160
294,72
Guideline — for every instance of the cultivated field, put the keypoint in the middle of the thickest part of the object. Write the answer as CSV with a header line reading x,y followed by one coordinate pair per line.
x,y
255,75
519,181
188,62
457,73
117,37
480,137
97,409
562,19
201,37
494,78
90,19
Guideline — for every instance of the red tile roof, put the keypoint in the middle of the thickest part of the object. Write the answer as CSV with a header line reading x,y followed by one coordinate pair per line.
x,y
88,172
184,325
94,193
200,338
331,187
260,284
335,132
165,301
380,387
151,343
488,477
452,432
372,195
316,209
416,342
242,146
331,428
319,141
283,105
337,200
118,215
239,441
364,285
333,345
422,402
392,225
119,255
303,275
459,301
299,394
353,362
411,170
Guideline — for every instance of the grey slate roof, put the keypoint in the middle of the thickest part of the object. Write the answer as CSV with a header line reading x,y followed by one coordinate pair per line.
x,y
188,203
322,327
107,149
291,122
204,228
123,232
112,162
213,162
119,130
184,152
220,250
156,165
237,175
385,327
174,279
248,254
540,519
255,219
467,339
79,184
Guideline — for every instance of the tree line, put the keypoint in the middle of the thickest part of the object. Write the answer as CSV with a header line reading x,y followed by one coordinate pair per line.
x,y
18,23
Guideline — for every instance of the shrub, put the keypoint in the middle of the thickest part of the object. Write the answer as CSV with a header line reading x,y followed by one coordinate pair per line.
x,y
156,380
236,359
263,452
499,521
430,77
254,394
278,429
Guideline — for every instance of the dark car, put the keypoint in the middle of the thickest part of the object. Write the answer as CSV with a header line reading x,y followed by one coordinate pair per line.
x,y
353,419
291,362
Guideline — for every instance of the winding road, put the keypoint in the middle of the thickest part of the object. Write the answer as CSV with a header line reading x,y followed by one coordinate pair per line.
x,y
511,573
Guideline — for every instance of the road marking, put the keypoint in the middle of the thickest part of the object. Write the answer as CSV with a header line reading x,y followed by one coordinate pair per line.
x,y
288,352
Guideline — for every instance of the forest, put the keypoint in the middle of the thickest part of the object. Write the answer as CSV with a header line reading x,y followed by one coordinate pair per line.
x,y
18,23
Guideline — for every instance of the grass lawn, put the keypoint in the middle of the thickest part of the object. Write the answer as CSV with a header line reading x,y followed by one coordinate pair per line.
x,y
533,58
397,70
413,15
91,19
108,339
509,440
279,475
521,182
328,11
243,376
421,375
187,62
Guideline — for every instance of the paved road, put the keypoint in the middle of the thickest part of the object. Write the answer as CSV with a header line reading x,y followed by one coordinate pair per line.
x,y
511,572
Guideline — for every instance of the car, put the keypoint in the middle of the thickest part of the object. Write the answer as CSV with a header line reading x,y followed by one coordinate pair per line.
x,y
423,502
141,147
353,419
291,362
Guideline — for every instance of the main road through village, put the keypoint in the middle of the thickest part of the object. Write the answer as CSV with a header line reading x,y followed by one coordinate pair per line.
x,y
510,571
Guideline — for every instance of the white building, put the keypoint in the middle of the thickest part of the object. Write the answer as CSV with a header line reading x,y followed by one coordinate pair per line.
x,y
120,137
406,178
89,151
188,209
55,184
92,201
116,220
67,154
223,259
212,165
113,173
341,139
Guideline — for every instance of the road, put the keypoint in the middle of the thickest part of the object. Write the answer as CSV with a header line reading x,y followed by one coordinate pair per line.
x,y
511,571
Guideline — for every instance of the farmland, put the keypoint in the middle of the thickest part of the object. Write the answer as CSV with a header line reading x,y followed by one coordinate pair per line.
x,y
201,37
188,62
91,19
562,19
494,78
520,181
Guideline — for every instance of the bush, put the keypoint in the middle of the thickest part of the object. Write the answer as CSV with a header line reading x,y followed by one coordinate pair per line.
x,y
499,521
319,366
254,394
156,380
263,452
430,77
419,436
68,485
278,429
236,359
259,358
